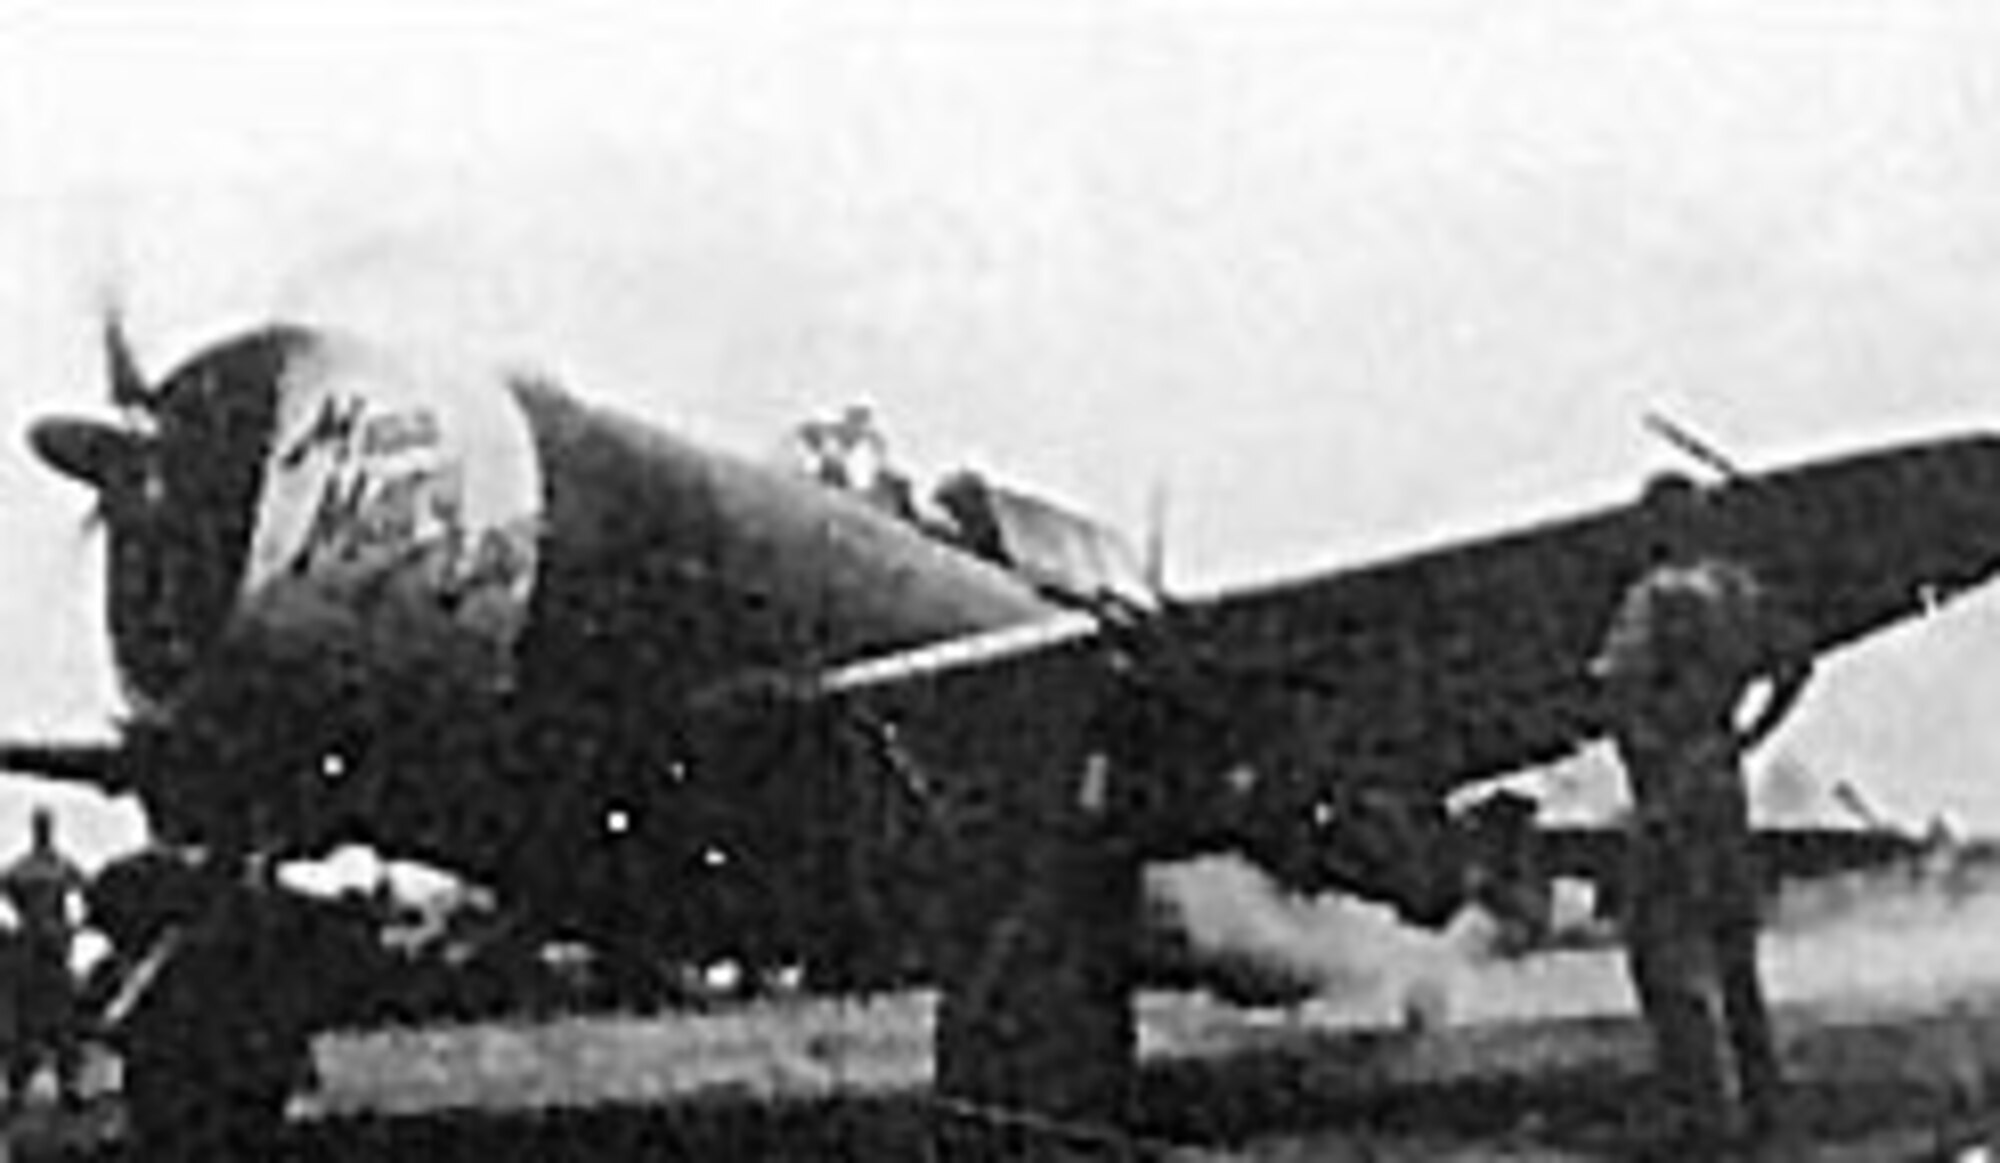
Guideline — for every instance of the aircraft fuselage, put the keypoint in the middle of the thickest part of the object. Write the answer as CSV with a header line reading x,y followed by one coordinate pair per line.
x,y
462,611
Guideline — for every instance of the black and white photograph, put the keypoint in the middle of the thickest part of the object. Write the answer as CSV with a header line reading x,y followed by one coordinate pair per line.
x,y
1211,581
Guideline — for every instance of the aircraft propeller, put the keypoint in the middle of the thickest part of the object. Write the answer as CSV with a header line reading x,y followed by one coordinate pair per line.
x,y
113,457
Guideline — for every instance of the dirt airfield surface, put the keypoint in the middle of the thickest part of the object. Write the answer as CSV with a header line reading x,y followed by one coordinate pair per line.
x,y
1889,1020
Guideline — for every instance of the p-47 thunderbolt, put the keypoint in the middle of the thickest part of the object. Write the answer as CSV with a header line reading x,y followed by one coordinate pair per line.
x,y
686,704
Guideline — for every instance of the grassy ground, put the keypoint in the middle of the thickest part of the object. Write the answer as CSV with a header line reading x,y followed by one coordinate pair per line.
x,y
846,1081
1891,1034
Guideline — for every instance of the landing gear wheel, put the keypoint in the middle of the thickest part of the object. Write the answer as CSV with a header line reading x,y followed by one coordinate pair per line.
x,y
207,1094
214,1019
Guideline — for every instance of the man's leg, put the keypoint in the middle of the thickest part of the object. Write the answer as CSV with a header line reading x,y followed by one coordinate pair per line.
x,y
1759,1077
20,1071
24,1056
67,1049
48,1023
30,1052
1674,974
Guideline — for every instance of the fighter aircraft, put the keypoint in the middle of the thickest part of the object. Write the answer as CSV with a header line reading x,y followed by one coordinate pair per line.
x,y
685,701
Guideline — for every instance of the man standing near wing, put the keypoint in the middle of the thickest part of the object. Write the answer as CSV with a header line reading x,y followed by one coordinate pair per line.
x,y
1689,639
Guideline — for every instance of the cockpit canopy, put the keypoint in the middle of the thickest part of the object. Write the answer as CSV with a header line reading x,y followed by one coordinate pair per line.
x,y
1064,554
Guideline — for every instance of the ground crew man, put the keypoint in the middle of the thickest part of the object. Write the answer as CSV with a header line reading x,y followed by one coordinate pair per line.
x,y
45,889
1690,638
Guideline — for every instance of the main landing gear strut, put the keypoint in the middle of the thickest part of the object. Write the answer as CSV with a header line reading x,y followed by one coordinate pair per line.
x,y
1038,942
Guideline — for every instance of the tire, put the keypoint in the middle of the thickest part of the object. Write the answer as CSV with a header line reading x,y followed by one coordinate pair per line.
x,y
215,1047
207,1094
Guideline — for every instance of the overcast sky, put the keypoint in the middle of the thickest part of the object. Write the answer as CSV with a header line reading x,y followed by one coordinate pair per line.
x,y
1347,277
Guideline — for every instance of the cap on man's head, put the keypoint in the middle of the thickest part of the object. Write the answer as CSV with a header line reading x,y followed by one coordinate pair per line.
x,y
1670,488
1672,507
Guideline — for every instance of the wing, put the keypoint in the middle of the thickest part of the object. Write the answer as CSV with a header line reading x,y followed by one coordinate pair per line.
x,y
1448,667
1444,668
104,766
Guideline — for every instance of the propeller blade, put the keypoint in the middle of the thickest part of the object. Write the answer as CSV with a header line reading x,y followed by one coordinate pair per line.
x,y
99,454
128,383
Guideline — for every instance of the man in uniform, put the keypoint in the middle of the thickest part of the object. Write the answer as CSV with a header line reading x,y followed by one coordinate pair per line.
x,y
45,889
1690,638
